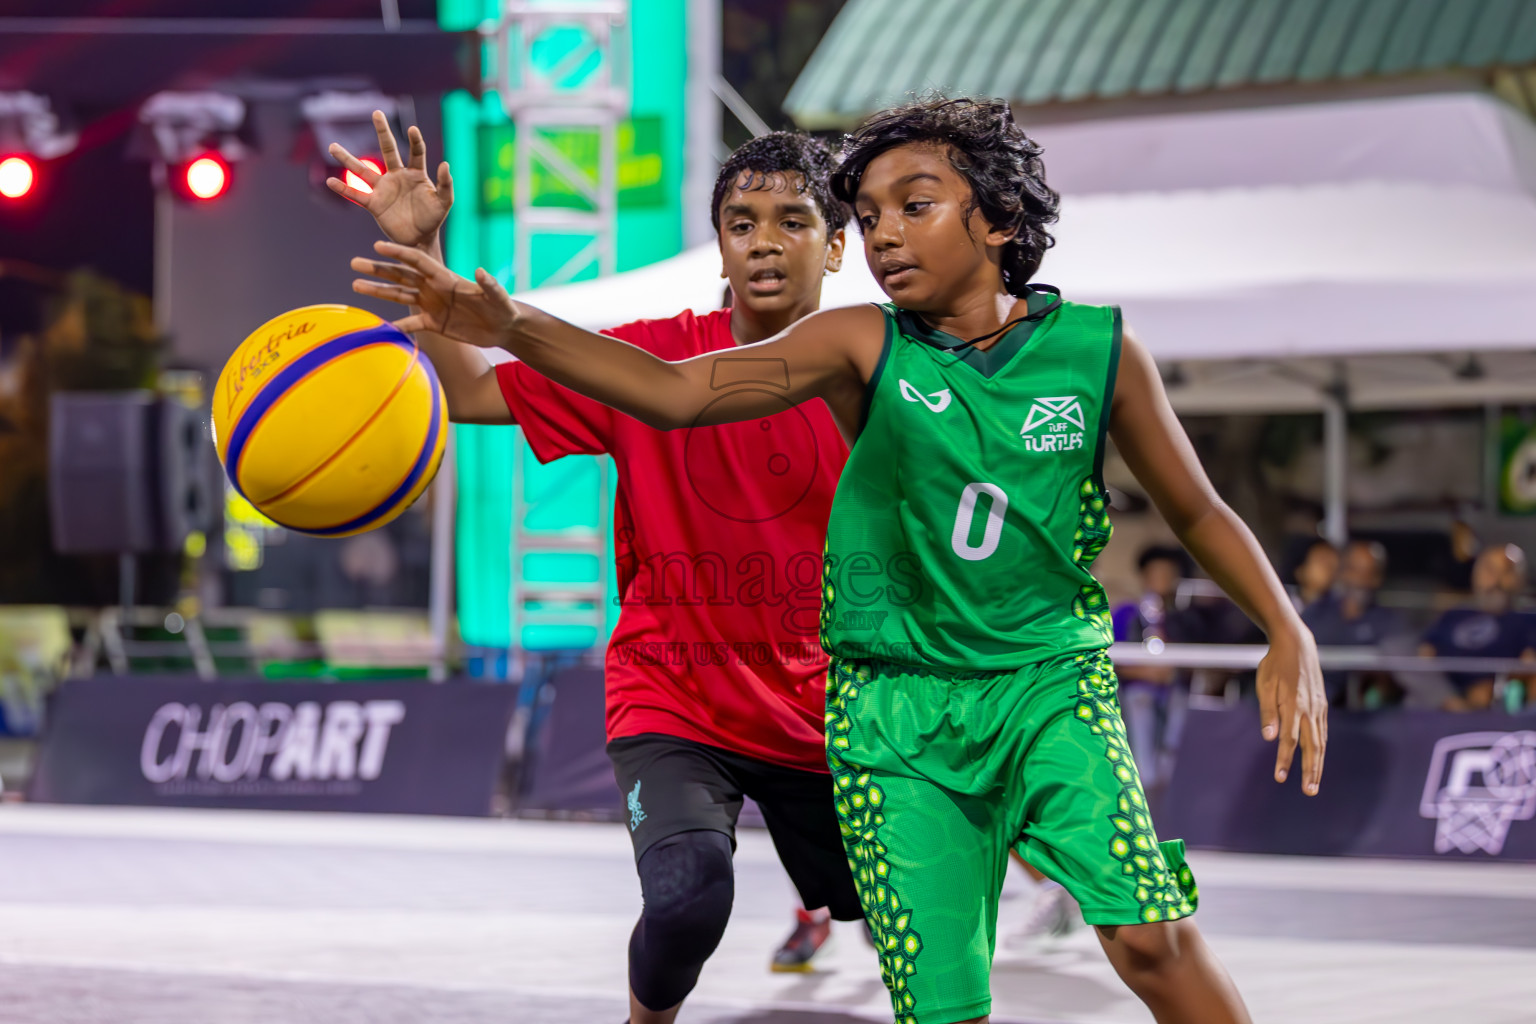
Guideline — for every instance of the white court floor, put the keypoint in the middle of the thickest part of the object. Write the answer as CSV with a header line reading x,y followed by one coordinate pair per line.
x,y
136,916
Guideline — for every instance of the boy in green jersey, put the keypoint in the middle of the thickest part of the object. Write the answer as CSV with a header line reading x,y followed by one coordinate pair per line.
x,y
971,707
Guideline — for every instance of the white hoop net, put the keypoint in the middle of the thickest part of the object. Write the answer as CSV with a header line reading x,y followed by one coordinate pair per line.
x,y
1471,817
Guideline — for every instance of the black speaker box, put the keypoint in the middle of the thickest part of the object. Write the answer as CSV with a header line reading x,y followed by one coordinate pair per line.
x,y
129,472
189,477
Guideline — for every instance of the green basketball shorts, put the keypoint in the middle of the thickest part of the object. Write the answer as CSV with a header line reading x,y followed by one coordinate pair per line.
x,y
938,775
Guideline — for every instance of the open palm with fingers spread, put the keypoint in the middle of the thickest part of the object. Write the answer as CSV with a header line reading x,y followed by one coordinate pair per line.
x,y
478,312
409,207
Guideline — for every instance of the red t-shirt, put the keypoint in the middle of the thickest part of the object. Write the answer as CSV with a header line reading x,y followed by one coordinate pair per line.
x,y
718,538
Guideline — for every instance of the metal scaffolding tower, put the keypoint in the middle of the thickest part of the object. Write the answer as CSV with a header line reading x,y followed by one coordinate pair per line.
x,y
562,73
580,96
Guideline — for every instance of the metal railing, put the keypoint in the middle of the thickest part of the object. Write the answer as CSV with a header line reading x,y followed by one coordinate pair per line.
x,y
1246,657
1424,681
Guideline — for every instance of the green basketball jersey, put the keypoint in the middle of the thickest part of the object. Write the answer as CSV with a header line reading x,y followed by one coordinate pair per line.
x,y
972,504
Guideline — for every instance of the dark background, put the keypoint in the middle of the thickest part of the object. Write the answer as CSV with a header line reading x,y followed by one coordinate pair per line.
x,y
92,207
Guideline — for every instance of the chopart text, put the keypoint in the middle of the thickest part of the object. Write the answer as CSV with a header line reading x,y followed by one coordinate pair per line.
x,y
341,740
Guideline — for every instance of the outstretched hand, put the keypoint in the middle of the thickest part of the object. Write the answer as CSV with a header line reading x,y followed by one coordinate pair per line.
x,y
1293,707
408,206
478,312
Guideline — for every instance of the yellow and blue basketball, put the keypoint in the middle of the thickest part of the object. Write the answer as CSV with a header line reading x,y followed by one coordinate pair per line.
x,y
329,420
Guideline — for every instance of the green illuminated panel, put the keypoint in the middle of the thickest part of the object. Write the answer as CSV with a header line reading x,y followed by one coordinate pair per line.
x,y
640,166
565,494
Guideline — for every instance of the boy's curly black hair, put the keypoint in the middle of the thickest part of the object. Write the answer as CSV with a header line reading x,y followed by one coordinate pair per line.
x,y
783,153
1001,164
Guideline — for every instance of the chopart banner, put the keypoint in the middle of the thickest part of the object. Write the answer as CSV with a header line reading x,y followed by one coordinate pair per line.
x,y
1395,784
412,748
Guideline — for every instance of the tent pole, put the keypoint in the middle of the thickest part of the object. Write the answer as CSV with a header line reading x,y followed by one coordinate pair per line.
x,y
440,594
702,126
1336,460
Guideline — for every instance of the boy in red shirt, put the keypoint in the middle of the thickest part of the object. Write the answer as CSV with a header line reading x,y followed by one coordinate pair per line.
x,y
715,676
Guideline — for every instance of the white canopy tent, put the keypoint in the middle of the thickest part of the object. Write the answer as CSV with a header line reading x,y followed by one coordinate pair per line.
x,y
1387,226
1235,276
1367,254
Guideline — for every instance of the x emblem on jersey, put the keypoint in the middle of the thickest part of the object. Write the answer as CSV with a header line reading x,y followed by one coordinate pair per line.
x,y
1047,409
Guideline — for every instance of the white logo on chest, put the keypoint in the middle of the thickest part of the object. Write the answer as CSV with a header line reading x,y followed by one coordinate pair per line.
x,y
940,399
1049,426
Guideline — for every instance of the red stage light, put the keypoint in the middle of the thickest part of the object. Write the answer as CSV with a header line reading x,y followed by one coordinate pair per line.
x,y
352,180
17,177
207,177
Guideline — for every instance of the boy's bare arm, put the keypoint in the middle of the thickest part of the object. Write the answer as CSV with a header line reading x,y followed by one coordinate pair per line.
x,y
1293,707
827,355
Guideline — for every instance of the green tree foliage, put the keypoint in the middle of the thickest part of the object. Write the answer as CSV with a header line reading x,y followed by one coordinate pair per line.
x,y
98,337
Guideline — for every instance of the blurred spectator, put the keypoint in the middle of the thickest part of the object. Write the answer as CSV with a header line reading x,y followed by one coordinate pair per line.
x,y
1153,698
1316,572
1487,628
1348,615
1465,547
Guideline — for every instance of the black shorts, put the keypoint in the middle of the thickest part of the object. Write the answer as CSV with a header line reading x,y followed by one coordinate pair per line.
x,y
675,785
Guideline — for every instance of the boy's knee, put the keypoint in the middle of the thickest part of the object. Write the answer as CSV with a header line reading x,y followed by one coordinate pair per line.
x,y
688,886
1145,953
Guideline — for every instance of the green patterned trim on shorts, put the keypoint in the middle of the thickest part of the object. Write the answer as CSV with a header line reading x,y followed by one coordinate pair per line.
x,y
859,818
828,598
1162,895
1093,532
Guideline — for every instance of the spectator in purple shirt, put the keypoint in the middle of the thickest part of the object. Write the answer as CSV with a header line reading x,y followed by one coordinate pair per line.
x,y
1488,628
1153,698
1348,616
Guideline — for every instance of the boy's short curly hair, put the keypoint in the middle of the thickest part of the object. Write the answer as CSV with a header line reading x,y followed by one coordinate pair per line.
x,y
1001,164
783,153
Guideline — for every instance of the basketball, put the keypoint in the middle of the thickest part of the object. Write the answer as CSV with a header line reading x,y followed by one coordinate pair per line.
x,y
329,420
